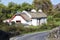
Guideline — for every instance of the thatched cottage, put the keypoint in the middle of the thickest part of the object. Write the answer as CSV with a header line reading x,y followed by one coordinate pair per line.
x,y
30,18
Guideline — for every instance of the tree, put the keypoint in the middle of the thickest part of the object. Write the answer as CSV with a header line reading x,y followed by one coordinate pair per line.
x,y
45,5
13,7
2,14
26,6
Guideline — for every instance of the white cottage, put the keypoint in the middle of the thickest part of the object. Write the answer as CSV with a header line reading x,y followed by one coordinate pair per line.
x,y
31,18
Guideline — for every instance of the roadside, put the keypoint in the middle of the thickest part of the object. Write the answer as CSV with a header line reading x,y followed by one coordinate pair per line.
x,y
29,34
54,34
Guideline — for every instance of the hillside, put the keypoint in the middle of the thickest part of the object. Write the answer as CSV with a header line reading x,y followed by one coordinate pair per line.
x,y
56,6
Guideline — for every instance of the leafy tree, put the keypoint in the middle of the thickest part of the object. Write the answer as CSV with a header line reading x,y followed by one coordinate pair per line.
x,y
2,8
13,7
45,5
57,14
26,6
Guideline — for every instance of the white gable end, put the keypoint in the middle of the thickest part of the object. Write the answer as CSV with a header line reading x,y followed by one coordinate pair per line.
x,y
19,18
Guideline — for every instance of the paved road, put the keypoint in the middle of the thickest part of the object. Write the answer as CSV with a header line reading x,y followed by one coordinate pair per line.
x,y
33,36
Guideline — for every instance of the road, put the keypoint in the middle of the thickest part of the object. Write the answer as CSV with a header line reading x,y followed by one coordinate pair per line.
x,y
33,36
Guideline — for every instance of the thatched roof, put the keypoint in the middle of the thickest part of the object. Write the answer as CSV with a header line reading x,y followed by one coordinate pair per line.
x,y
37,14
34,15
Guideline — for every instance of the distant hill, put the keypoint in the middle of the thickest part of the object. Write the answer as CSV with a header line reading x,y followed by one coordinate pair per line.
x,y
56,6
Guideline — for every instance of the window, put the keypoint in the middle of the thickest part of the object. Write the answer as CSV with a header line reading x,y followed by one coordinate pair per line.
x,y
18,21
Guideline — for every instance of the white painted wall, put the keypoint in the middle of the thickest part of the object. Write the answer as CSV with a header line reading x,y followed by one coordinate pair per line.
x,y
34,22
45,20
42,21
6,20
19,18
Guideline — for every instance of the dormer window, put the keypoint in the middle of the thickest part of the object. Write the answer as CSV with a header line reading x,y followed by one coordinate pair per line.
x,y
40,10
33,10
24,11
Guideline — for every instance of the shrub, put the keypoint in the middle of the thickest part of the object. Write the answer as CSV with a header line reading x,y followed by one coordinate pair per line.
x,y
4,27
13,23
17,29
44,26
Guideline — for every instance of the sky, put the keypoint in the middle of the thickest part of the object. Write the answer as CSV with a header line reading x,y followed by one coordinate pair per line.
x,y
5,2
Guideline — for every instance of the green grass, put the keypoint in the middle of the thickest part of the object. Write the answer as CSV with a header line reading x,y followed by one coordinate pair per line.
x,y
57,23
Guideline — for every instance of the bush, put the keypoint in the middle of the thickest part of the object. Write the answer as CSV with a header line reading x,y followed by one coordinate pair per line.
x,y
17,29
57,15
44,26
4,28
13,29
13,23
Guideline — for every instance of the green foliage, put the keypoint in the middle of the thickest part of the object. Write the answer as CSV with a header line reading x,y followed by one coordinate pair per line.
x,y
18,28
8,11
50,18
45,5
13,7
54,22
57,15
4,27
13,29
26,6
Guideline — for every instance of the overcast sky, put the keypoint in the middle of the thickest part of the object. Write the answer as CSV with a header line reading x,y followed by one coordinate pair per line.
x,y
5,2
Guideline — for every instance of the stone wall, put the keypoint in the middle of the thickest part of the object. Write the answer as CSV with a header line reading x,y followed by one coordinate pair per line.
x,y
54,34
